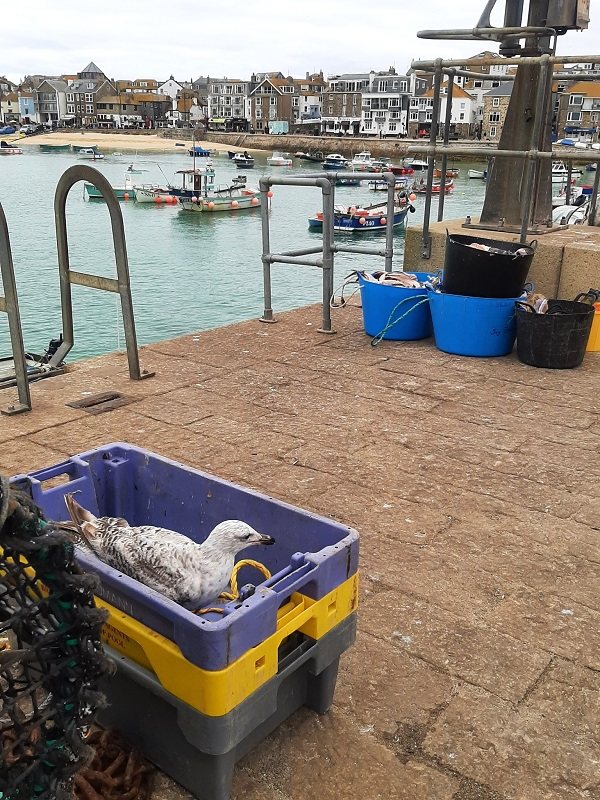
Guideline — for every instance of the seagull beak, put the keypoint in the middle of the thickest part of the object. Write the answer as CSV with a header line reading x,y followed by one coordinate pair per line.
x,y
264,539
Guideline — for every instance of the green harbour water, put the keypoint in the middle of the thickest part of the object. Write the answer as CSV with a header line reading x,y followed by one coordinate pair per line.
x,y
189,271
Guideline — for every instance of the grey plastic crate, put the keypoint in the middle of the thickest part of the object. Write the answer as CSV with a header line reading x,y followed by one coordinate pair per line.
x,y
200,752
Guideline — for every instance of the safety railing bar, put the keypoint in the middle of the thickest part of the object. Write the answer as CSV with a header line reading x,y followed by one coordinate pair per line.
x,y
365,251
95,281
10,306
70,177
280,258
485,61
303,251
486,33
590,157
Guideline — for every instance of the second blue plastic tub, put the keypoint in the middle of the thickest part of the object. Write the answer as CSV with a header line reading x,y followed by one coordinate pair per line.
x,y
473,326
382,306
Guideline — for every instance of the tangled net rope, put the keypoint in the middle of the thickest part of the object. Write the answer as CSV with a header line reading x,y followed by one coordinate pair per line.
x,y
115,773
51,658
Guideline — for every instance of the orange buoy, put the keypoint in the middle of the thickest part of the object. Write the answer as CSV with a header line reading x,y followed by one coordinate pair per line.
x,y
157,199
362,221
412,197
234,204
383,221
210,205
269,193
194,199
254,201
126,196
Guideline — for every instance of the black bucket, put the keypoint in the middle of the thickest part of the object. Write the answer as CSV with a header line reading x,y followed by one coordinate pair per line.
x,y
556,339
478,273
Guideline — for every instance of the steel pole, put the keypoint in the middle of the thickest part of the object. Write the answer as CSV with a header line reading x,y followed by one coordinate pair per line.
x,y
389,227
264,185
426,241
328,251
447,123
594,199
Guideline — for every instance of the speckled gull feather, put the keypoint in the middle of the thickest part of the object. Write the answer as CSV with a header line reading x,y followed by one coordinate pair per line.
x,y
188,573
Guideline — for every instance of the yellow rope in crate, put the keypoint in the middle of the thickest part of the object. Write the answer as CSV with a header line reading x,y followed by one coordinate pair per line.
x,y
234,593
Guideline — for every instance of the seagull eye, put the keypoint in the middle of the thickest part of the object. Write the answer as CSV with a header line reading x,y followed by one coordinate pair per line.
x,y
247,536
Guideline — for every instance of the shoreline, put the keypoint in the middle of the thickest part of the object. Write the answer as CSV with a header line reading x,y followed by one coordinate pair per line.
x,y
109,142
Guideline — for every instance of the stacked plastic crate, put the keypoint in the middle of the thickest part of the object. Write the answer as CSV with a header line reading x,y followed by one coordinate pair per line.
x,y
195,693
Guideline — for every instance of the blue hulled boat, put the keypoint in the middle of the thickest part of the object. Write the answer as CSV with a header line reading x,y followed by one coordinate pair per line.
x,y
335,161
351,219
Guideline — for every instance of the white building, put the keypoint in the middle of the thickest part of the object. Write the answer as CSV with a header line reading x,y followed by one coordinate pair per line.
x,y
228,104
170,87
385,105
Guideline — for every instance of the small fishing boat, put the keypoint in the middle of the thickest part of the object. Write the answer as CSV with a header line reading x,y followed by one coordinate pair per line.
x,y
382,164
418,165
353,219
316,158
54,148
401,169
196,150
199,193
150,193
125,192
362,161
477,174
7,149
560,172
579,194
90,153
335,161
382,186
421,187
243,160
279,160
133,170
451,172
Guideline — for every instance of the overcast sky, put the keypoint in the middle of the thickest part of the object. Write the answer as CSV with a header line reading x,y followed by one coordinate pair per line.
x,y
185,38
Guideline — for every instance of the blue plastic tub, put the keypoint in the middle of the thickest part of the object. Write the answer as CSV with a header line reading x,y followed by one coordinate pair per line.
x,y
382,305
473,326
312,555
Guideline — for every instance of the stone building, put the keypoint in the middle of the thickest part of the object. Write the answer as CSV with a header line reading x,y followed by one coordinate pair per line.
x,y
495,106
579,111
341,111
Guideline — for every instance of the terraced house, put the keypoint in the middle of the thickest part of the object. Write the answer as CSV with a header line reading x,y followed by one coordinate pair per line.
x,y
228,104
83,94
579,111
270,100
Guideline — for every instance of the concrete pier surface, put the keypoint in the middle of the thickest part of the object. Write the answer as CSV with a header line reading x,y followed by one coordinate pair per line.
x,y
475,485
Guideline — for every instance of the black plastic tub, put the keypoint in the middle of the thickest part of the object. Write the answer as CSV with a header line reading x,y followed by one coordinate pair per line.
x,y
478,273
557,339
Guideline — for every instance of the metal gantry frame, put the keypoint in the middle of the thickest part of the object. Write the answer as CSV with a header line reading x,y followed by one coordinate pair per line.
x,y
121,285
452,68
9,304
329,247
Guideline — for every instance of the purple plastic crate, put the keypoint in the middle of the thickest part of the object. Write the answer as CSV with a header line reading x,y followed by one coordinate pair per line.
x,y
312,554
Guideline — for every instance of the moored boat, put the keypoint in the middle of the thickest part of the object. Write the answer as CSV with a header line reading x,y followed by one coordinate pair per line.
x,y
417,165
477,174
362,161
353,219
198,151
7,149
316,158
90,153
451,172
125,192
560,172
243,160
54,148
401,169
198,192
335,161
436,188
279,160
382,186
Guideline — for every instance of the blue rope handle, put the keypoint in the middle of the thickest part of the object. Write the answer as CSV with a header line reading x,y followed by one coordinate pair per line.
x,y
389,324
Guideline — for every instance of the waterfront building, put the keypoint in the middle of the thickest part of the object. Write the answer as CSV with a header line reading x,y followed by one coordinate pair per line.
x,y
271,102
385,105
579,111
82,96
307,102
50,101
228,104
341,106
132,110
27,112
495,108
9,107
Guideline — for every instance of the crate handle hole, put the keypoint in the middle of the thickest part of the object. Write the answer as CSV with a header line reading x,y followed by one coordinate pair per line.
x,y
332,607
57,480
259,663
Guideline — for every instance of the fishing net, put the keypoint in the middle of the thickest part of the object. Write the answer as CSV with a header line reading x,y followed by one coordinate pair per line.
x,y
51,658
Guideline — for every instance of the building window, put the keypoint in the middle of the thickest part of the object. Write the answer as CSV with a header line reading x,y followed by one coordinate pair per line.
x,y
575,99
403,86
89,98
272,113
492,132
595,116
90,86
478,84
330,109
273,101
495,116
414,116
295,101
462,116
495,84
70,98
495,102
392,126
258,112
574,116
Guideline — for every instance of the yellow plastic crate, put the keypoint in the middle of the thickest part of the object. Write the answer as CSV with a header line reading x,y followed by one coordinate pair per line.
x,y
218,692
593,344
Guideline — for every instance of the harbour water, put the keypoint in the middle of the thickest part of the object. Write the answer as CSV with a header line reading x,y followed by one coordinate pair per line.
x,y
189,272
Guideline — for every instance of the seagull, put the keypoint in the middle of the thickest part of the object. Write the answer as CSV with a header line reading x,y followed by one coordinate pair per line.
x,y
190,574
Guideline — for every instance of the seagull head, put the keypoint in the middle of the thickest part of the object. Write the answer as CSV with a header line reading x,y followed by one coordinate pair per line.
x,y
234,535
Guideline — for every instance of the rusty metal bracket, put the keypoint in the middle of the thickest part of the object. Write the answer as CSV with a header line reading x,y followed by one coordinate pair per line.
x,y
121,285
9,304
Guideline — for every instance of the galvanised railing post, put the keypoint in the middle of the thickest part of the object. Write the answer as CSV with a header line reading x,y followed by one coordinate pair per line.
x,y
264,185
9,304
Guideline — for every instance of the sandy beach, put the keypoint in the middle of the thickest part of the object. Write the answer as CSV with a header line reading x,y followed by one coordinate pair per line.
x,y
117,142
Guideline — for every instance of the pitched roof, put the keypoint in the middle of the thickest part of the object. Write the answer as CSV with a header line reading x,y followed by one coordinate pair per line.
x,y
588,88
91,67
504,90
457,91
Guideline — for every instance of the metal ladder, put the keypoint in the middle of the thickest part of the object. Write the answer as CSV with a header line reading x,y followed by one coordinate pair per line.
x,y
9,304
328,248
68,277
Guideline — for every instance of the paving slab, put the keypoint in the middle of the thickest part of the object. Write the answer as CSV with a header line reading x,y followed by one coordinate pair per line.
x,y
474,485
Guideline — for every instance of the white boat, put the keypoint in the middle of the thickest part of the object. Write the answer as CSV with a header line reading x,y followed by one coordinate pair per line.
x,y
147,193
279,160
335,161
417,165
7,149
477,174
560,172
133,170
198,192
362,161
91,153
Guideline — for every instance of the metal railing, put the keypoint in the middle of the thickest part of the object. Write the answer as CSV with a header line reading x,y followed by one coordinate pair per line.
x,y
453,67
9,304
329,247
121,285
